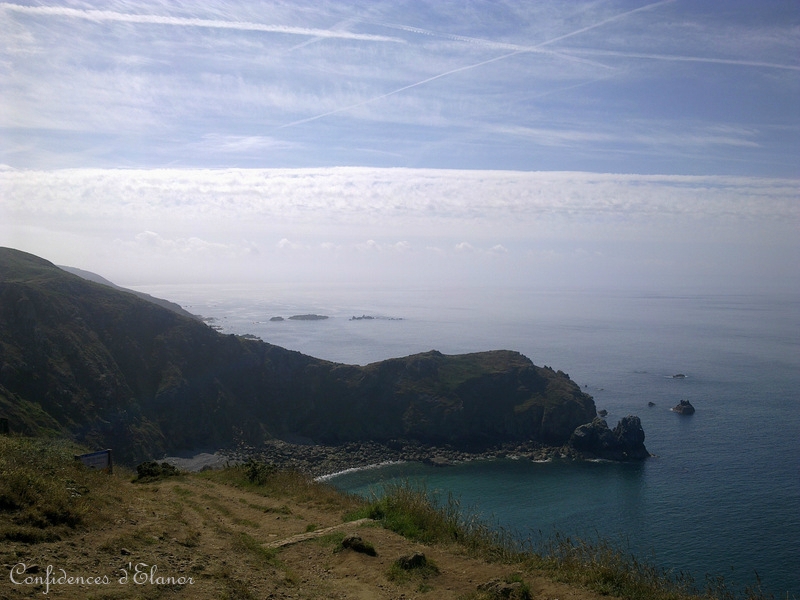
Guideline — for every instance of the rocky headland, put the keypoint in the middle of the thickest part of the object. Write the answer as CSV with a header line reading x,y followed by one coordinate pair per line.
x,y
113,370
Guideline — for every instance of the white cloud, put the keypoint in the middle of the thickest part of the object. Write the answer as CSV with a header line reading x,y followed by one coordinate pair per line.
x,y
284,245
192,246
385,196
398,224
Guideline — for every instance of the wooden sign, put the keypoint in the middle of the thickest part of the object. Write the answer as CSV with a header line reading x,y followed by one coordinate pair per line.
x,y
97,460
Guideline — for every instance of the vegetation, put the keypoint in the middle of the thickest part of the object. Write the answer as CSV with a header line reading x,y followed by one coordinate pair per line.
x,y
44,492
151,471
46,496
416,567
414,513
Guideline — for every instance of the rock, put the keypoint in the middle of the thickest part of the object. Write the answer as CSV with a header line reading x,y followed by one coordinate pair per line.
x,y
497,588
355,543
594,437
625,442
276,319
651,404
630,436
684,407
603,413
412,561
679,376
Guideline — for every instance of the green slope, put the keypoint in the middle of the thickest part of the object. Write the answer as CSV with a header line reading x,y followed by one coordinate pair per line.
x,y
113,370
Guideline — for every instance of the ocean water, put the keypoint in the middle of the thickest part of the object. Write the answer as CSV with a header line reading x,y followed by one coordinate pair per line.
x,y
722,495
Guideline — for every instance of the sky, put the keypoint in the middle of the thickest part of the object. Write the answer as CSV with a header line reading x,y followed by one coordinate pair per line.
x,y
651,144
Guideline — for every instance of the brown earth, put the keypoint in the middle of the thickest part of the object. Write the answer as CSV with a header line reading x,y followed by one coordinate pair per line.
x,y
195,537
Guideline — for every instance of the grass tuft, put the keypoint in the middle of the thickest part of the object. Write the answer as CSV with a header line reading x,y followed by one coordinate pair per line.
x,y
414,513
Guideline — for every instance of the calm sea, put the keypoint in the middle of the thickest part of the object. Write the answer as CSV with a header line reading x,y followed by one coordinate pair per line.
x,y
722,497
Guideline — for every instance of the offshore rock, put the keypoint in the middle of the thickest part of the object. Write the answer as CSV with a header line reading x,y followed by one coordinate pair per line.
x,y
684,407
625,442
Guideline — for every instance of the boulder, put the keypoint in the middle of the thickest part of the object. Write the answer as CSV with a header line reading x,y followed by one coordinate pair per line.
x,y
684,407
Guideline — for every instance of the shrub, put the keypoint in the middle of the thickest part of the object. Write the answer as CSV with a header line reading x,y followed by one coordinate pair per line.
x,y
151,471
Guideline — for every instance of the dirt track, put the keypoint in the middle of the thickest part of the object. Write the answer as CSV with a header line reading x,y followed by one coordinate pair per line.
x,y
195,538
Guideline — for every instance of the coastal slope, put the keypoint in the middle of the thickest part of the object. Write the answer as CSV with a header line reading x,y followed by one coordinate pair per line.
x,y
111,369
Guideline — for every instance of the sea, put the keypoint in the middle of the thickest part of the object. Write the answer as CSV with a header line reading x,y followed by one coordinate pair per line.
x,y
720,496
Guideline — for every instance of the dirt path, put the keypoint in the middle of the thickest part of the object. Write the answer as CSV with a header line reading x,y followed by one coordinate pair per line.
x,y
190,537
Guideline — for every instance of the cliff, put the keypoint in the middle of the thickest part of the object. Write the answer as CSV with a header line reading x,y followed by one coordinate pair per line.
x,y
115,370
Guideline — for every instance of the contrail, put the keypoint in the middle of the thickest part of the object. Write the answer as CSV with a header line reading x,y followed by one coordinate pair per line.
x,y
398,90
680,58
604,22
519,50
107,15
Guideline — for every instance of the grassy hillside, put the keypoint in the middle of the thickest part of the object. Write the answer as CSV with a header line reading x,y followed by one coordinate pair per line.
x,y
252,531
113,370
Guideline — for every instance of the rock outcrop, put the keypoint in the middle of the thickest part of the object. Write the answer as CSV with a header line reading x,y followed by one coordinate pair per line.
x,y
684,407
625,442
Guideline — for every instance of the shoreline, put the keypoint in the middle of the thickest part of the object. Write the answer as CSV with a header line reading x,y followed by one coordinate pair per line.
x,y
323,462
329,476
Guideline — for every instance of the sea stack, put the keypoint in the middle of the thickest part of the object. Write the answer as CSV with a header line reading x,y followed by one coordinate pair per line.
x,y
684,407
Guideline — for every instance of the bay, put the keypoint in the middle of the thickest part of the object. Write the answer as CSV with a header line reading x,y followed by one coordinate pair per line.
x,y
722,494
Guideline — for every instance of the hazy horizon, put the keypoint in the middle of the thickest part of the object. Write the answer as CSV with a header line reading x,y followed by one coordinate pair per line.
x,y
617,144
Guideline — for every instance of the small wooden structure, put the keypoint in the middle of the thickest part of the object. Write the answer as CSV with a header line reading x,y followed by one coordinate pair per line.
x,y
97,460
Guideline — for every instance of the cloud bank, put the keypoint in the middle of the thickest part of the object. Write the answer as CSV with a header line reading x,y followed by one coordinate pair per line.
x,y
404,224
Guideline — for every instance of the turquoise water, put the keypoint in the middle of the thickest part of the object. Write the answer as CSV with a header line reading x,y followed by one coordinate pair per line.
x,y
723,494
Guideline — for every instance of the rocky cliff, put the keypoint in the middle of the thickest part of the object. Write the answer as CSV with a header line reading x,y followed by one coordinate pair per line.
x,y
115,370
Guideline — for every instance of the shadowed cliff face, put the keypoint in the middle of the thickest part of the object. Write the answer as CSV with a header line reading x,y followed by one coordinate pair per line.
x,y
116,371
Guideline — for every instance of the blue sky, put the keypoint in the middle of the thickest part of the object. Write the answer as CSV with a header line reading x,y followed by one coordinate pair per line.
x,y
671,101
679,87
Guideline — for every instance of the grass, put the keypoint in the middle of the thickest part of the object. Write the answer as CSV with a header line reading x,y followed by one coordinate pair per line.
x,y
265,480
400,574
45,492
243,542
414,513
